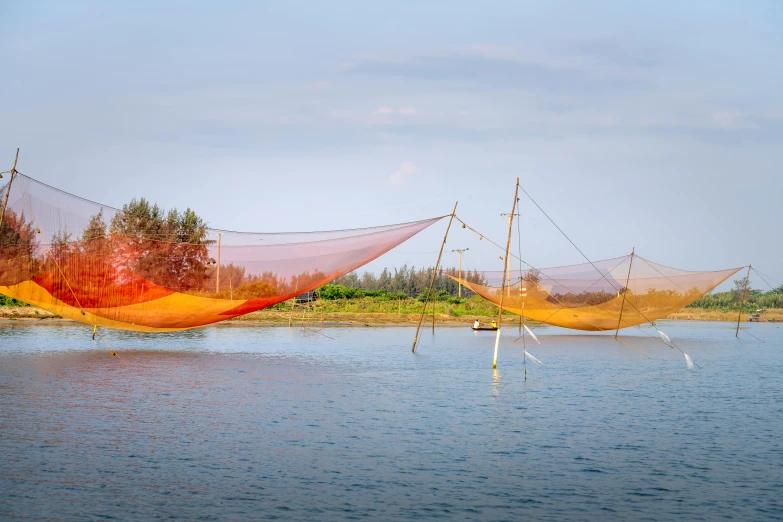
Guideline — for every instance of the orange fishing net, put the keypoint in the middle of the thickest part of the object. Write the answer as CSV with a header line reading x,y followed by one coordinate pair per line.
x,y
139,268
621,292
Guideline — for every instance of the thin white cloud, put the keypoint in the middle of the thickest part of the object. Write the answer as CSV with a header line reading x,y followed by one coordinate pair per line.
x,y
403,174
340,114
383,110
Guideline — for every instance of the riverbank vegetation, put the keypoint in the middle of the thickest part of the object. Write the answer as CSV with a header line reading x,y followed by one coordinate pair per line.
x,y
398,296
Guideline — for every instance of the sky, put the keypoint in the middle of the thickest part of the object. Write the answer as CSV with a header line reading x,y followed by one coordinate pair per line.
x,y
647,125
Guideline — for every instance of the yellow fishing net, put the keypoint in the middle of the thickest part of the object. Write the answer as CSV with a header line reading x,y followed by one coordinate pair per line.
x,y
140,268
604,295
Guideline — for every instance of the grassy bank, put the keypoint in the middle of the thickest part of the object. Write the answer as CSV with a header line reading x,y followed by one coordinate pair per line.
x,y
401,311
701,314
373,311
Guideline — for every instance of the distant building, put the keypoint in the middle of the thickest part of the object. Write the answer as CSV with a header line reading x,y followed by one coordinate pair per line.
x,y
307,297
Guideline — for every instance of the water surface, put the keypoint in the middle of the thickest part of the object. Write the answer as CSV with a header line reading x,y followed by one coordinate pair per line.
x,y
240,423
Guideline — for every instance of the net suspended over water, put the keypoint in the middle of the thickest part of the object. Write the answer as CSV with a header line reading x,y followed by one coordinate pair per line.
x,y
138,268
605,295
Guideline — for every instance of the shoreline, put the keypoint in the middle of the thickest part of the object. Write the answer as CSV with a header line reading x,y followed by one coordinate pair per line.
x,y
276,318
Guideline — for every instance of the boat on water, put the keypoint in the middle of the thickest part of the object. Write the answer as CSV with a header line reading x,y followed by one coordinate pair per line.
x,y
484,328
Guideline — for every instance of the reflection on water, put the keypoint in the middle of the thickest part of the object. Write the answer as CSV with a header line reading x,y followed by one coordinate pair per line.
x,y
270,423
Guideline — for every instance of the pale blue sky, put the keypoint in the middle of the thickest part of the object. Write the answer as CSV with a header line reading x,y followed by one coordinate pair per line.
x,y
649,124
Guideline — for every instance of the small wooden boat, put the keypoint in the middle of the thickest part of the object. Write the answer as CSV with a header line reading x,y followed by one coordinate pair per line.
x,y
484,328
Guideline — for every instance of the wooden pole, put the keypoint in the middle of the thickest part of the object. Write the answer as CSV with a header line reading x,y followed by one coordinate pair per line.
x,y
217,278
432,282
744,292
505,267
293,303
291,315
8,192
508,261
508,273
433,317
627,280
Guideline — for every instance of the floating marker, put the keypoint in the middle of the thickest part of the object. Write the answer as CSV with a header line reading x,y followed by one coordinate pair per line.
x,y
528,330
532,358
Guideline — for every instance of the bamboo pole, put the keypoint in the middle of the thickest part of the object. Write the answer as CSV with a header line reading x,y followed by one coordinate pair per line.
x,y
744,292
217,277
8,192
433,318
432,282
622,306
293,303
503,284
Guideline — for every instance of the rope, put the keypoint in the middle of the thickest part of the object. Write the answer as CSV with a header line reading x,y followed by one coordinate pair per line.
x,y
561,231
522,315
221,229
563,306
664,275
744,330
68,284
432,282
111,348
765,280
595,267
631,347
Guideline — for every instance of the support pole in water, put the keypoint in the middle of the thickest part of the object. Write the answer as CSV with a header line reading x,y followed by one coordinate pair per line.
x,y
742,303
432,282
622,306
505,270
8,192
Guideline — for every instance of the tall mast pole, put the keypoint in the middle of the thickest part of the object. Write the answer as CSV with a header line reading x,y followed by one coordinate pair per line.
x,y
432,282
627,280
505,268
8,192
508,259
744,291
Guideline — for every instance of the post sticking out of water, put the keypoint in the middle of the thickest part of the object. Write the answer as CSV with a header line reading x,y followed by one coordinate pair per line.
x,y
432,281
505,271
742,303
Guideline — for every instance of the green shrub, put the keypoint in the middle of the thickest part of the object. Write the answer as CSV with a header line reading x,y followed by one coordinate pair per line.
x,y
10,301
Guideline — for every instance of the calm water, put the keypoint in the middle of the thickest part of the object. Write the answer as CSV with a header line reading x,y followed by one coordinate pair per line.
x,y
269,423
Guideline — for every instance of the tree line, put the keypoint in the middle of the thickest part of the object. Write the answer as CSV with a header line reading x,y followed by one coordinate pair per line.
x,y
732,300
411,282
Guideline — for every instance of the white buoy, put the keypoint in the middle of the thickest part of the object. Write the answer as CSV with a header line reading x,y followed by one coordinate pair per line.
x,y
688,361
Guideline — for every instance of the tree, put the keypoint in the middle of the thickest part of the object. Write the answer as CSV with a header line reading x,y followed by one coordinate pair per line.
x,y
166,248
18,244
741,288
532,276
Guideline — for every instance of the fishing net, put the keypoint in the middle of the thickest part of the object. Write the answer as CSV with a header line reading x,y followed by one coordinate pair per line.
x,y
605,295
140,268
